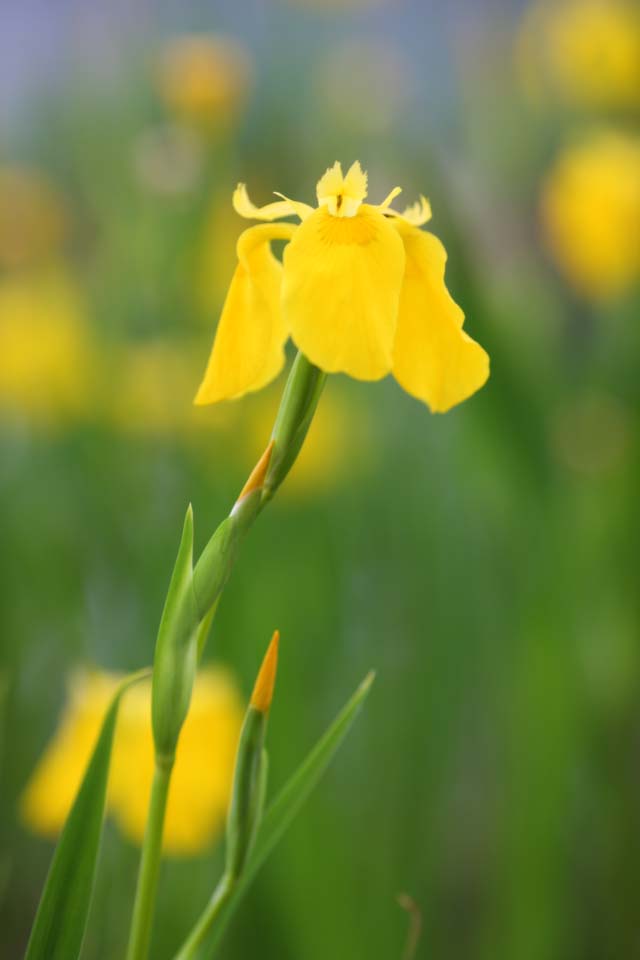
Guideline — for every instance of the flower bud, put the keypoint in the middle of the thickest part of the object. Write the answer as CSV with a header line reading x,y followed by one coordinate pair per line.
x,y
249,783
216,562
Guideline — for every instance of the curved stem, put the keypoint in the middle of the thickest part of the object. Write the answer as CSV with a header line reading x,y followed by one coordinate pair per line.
x,y
144,903
220,896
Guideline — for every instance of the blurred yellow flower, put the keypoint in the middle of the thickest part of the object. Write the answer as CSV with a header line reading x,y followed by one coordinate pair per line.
x,y
51,789
201,782
46,351
33,222
203,79
586,50
150,391
590,208
361,291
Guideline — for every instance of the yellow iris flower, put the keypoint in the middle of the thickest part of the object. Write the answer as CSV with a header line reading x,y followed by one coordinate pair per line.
x,y
360,291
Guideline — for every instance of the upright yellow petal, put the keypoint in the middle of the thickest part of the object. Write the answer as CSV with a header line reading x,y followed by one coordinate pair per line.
x,y
356,182
331,182
248,348
342,195
433,358
342,278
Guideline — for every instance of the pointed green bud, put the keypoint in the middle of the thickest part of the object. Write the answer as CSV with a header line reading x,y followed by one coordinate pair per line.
x,y
250,776
216,562
176,655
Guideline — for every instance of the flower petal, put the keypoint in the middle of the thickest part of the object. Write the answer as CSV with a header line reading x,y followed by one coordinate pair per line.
x,y
433,358
417,214
342,278
248,348
301,210
388,200
356,182
271,211
342,195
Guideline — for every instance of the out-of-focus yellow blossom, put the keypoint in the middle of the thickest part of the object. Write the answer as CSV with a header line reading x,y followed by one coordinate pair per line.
x,y
33,222
588,51
50,792
337,449
151,390
203,79
590,208
46,350
203,772
361,290
201,781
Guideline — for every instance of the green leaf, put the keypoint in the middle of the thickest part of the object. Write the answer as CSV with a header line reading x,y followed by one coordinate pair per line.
x,y
60,922
287,804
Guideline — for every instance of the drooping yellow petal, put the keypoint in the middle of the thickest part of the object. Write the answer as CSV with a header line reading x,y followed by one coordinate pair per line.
x,y
341,286
433,358
248,348
271,211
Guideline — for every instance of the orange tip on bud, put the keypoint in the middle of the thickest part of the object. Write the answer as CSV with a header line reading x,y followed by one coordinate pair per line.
x,y
263,690
259,472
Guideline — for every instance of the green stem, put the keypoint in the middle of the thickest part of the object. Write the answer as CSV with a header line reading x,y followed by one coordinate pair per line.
x,y
297,407
219,898
144,904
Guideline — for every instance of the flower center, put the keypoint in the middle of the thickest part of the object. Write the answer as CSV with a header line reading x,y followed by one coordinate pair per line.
x,y
336,230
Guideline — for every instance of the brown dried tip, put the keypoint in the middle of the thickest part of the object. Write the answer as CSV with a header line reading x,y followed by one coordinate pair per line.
x,y
263,690
259,472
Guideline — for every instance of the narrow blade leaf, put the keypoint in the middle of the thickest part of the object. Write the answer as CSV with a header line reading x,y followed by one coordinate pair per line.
x,y
287,804
60,922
